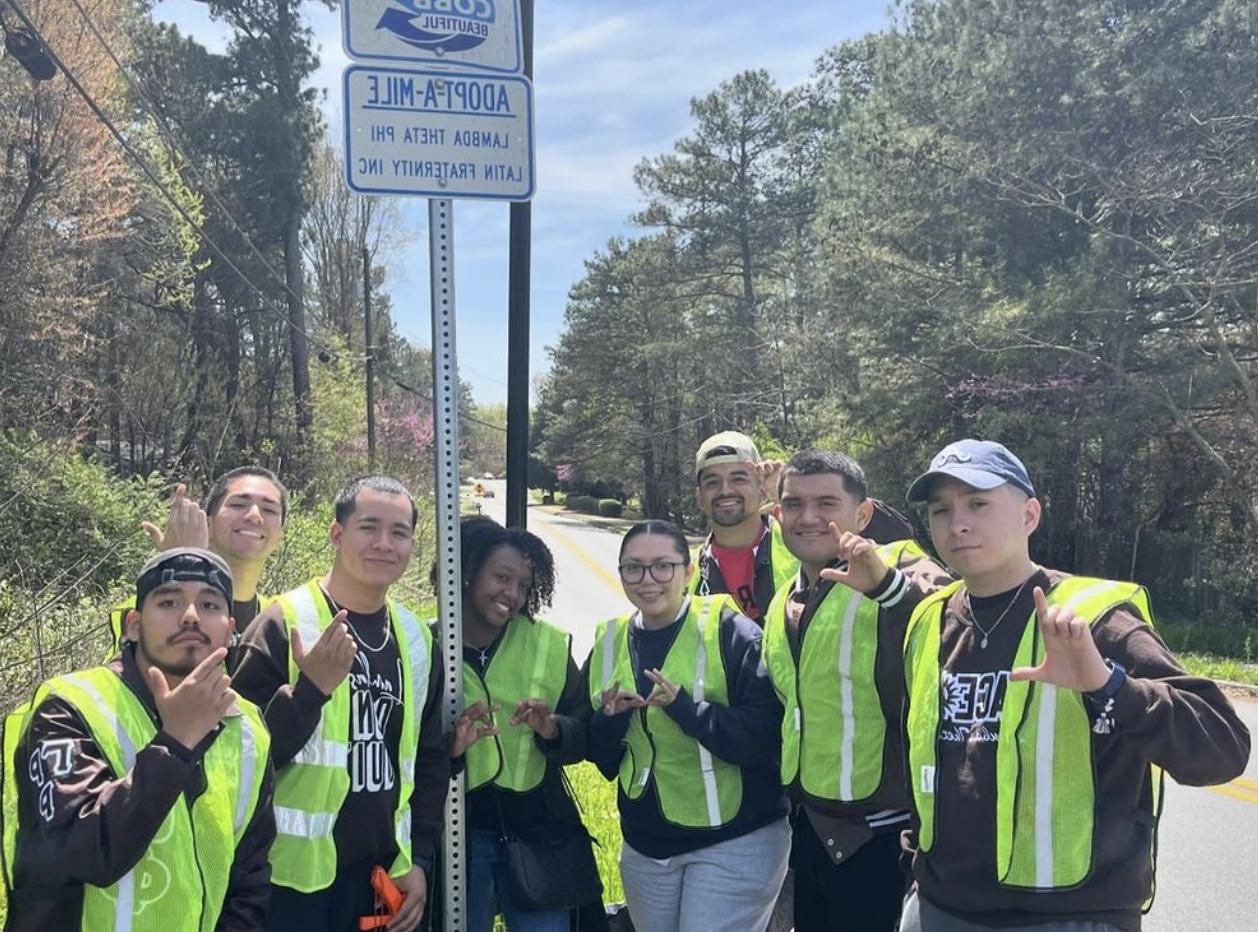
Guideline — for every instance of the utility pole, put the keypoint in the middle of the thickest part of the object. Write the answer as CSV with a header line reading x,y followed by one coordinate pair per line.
x,y
519,251
369,330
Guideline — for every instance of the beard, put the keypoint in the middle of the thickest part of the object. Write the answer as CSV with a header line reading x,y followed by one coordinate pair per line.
x,y
730,518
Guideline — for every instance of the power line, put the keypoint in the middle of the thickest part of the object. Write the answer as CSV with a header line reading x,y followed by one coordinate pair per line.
x,y
170,138
157,182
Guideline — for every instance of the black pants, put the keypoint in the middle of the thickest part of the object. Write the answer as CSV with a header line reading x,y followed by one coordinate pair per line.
x,y
863,894
334,909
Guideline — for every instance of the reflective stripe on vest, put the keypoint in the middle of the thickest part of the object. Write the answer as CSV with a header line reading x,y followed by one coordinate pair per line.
x,y
833,739
1045,791
655,747
530,663
310,789
181,880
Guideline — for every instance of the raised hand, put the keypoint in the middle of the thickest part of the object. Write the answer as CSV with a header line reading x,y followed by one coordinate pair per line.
x,y
186,525
617,700
190,711
538,715
329,661
1071,659
665,690
467,730
865,569
769,473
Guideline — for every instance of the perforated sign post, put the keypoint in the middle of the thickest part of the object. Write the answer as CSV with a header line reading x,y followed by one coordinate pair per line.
x,y
438,107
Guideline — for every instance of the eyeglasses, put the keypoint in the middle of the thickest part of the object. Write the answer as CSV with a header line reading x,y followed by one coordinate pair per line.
x,y
660,572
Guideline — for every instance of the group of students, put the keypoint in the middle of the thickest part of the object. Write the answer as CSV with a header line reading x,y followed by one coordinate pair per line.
x,y
810,693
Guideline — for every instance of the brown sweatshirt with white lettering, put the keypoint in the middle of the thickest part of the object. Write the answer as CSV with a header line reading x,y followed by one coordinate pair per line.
x,y
1160,715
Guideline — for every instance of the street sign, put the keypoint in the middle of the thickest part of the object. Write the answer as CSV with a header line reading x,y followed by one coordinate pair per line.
x,y
480,34
438,133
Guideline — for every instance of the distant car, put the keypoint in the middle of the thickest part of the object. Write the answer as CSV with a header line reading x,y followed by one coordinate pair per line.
x,y
488,493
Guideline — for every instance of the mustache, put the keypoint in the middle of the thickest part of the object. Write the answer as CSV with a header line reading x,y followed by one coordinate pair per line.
x,y
188,633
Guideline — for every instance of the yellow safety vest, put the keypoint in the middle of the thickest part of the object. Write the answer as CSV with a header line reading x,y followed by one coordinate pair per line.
x,y
695,789
833,730
1045,787
530,663
783,564
181,880
310,789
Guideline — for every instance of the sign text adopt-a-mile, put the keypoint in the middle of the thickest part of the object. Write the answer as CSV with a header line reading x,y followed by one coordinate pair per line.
x,y
438,133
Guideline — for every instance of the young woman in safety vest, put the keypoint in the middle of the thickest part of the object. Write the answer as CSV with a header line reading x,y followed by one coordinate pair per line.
x,y
685,718
1042,710
523,718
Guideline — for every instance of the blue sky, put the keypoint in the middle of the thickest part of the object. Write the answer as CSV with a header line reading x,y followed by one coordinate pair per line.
x,y
613,83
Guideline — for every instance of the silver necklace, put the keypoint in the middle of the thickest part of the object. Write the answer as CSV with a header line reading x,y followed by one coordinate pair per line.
x,y
987,632
388,627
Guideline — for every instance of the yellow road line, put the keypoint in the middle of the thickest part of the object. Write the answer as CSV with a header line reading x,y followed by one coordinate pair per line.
x,y
597,569
1247,784
1238,790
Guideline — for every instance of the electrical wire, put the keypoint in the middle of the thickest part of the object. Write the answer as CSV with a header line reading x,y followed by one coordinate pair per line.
x,y
136,157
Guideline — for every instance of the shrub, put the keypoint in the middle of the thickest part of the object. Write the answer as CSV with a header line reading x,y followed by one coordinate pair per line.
x,y
610,508
583,503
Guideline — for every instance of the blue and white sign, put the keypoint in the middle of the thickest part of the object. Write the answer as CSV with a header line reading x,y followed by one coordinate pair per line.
x,y
438,133
482,34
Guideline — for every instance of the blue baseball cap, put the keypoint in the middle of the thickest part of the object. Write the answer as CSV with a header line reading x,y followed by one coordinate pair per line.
x,y
983,464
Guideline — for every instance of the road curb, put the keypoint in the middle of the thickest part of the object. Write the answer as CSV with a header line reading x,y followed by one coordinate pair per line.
x,y
1248,690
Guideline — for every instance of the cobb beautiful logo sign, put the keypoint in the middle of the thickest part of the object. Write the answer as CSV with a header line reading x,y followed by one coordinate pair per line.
x,y
440,26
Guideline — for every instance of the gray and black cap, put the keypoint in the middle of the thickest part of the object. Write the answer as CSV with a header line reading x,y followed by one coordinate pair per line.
x,y
184,564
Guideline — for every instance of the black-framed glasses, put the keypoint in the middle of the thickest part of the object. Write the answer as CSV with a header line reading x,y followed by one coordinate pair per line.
x,y
660,572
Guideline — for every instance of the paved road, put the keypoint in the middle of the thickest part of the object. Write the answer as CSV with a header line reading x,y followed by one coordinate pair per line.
x,y
586,590
1208,862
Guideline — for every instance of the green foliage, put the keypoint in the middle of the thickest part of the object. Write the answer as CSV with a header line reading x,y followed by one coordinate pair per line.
x,y
973,223
610,508
586,504
61,510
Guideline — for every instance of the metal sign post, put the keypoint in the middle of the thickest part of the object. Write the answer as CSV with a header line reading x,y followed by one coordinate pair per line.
x,y
436,107
445,417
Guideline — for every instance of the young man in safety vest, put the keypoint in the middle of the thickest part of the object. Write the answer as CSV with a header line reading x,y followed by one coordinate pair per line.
x,y
835,659
138,794
242,522
1042,709
346,677
744,554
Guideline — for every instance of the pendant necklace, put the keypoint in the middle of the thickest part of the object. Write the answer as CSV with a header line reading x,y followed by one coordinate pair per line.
x,y
987,632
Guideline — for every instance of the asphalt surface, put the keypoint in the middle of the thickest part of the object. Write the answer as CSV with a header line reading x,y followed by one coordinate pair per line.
x,y
1208,839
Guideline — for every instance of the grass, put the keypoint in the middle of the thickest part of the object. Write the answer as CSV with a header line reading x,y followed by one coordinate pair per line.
x,y
596,798
1220,668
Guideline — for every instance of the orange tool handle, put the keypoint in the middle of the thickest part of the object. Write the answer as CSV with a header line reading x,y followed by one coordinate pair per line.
x,y
388,894
386,889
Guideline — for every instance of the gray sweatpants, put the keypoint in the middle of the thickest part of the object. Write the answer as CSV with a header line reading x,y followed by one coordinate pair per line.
x,y
921,916
727,887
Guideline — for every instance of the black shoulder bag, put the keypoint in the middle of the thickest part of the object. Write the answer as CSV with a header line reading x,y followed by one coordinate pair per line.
x,y
551,866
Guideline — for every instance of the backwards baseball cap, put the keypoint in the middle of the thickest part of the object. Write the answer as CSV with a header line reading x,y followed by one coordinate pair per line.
x,y
983,464
184,564
729,446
